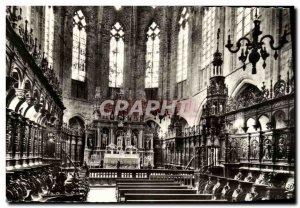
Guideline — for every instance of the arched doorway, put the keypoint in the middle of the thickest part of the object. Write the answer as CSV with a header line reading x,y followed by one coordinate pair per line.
x,y
77,146
76,122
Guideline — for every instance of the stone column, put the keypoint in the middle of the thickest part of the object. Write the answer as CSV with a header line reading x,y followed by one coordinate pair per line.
x,y
111,136
140,139
86,138
98,138
151,142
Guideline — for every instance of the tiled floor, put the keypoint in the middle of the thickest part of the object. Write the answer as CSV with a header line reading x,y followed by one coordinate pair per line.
x,y
102,195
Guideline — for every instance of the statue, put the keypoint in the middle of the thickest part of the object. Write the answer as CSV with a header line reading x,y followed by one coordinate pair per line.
x,y
281,148
104,140
254,152
267,150
213,107
120,141
221,108
90,142
134,140
233,154
127,142
128,138
147,144
128,133
244,148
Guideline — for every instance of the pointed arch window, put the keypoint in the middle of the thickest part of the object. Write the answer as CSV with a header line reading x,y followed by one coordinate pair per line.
x,y
182,50
49,34
116,56
79,85
244,20
26,15
79,47
152,57
208,36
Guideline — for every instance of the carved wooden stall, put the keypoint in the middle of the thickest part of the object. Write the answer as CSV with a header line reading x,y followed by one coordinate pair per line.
x,y
34,111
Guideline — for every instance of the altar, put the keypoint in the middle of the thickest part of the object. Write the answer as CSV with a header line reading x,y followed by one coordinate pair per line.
x,y
120,142
125,160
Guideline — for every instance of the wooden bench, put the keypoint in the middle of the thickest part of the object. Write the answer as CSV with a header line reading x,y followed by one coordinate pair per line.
x,y
135,180
154,191
150,187
144,181
148,196
185,201
151,183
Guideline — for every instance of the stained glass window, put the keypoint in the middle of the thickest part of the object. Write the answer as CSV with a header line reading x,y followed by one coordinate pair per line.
x,y
208,36
182,50
49,34
79,47
116,56
152,57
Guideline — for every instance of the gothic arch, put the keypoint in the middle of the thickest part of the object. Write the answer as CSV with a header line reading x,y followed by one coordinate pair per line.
x,y
17,76
250,125
263,120
199,112
278,119
76,122
151,119
240,86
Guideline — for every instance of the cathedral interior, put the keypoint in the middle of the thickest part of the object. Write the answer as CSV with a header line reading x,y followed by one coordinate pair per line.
x,y
69,139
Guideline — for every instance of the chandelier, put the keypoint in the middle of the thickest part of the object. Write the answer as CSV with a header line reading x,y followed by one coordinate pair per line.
x,y
256,49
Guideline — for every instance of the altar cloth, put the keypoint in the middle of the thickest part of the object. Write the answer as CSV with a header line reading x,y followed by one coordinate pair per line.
x,y
126,160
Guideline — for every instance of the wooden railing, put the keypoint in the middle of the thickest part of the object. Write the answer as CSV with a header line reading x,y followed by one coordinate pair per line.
x,y
183,179
100,177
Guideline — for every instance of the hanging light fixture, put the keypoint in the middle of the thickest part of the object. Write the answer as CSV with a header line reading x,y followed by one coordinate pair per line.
x,y
256,49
